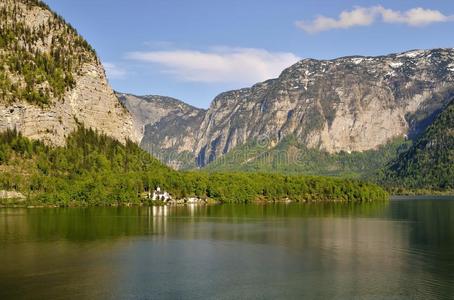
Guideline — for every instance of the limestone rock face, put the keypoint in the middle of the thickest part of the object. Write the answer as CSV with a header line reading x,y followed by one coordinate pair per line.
x,y
346,104
90,101
169,126
152,109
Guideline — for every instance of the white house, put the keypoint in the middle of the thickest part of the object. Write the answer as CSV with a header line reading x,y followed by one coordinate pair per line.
x,y
161,195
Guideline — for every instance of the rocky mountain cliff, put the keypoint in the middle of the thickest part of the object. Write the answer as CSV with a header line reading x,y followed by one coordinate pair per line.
x,y
161,111
169,126
51,79
347,104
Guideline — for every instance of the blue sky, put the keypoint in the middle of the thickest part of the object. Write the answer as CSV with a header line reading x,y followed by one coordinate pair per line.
x,y
193,50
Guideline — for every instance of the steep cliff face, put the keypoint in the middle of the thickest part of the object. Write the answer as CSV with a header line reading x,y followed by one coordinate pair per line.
x,y
169,126
152,109
346,104
51,79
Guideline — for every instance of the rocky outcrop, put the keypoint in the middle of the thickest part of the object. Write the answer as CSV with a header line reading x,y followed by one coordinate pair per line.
x,y
152,109
89,100
91,103
11,195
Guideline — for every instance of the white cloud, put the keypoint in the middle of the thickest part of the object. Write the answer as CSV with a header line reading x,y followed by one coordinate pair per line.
x,y
357,17
113,71
414,17
365,16
221,64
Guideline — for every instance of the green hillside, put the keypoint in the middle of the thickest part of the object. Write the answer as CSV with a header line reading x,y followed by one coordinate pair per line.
x,y
429,163
93,169
291,157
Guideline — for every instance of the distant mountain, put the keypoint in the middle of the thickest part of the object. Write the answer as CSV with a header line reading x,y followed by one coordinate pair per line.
x,y
349,104
51,79
429,163
169,127
150,109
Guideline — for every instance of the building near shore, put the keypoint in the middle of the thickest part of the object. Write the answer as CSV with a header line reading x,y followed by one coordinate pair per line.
x,y
161,195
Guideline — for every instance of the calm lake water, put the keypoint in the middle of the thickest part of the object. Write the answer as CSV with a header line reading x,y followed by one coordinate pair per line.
x,y
398,250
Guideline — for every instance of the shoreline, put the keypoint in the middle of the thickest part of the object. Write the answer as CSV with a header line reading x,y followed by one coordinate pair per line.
x,y
24,203
31,205
421,197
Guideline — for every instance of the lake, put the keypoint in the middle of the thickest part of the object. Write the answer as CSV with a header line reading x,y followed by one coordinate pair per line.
x,y
403,249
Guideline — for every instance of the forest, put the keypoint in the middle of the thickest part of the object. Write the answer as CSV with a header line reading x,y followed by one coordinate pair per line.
x,y
93,169
429,163
292,157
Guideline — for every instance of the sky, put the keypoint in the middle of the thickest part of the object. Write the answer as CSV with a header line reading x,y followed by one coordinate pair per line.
x,y
193,50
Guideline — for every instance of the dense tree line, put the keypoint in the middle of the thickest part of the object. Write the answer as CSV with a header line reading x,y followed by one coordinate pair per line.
x,y
93,169
429,163
292,157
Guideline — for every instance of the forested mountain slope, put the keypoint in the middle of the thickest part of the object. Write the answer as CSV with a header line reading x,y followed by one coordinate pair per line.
x,y
292,157
429,163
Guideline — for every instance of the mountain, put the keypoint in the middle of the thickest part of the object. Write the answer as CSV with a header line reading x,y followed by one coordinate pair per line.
x,y
150,109
349,104
51,79
429,163
169,127
346,104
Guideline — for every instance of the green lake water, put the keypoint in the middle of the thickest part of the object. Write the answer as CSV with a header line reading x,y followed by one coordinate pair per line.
x,y
403,249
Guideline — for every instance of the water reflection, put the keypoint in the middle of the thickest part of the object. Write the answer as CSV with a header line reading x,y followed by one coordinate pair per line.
x,y
98,223
402,249
159,211
431,243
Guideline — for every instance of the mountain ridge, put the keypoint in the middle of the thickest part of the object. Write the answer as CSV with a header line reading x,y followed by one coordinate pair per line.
x,y
352,103
164,122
